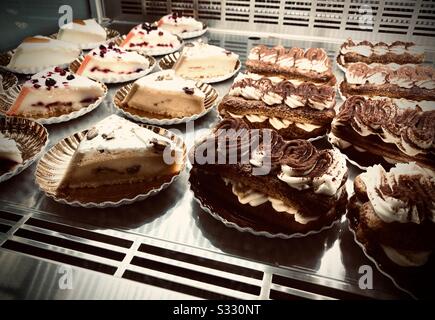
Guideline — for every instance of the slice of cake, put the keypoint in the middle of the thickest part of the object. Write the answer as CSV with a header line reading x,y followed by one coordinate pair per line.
x,y
166,94
147,37
117,151
41,52
256,179
10,155
53,92
377,131
177,23
365,51
82,32
394,211
296,109
111,60
199,60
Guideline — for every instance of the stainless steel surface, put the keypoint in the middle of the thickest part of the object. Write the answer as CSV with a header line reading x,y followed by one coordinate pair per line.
x,y
372,20
166,241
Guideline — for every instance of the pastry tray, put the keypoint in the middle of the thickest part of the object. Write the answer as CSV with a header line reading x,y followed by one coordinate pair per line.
x,y
167,244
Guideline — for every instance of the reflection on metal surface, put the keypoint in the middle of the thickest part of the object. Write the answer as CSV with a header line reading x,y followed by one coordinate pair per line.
x,y
166,244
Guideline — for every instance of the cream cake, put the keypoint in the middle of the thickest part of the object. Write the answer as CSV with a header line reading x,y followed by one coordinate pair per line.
x,y
42,52
146,36
111,60
55,91
201,61
177,23
82,32
117,151
166,94
10,155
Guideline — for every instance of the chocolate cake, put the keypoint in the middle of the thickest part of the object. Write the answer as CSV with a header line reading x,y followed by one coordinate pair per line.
x,y
294,63
305,186
398,52
376,131
390,204
412,82
297,110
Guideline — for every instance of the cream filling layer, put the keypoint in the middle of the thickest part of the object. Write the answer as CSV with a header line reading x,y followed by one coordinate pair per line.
x,y
277,123
245,195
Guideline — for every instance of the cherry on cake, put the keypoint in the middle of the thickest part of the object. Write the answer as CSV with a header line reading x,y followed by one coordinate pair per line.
x,y
111,60
117,151
166,94
10,155
82,32
55,91
178,24
147,36
42,52
199,60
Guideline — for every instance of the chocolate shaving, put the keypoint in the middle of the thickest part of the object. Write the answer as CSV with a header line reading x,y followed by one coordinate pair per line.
x,y
189,91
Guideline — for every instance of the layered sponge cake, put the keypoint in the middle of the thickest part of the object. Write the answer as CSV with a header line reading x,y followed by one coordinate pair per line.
x,y
393,213
305,186
53,92
166,94
117,151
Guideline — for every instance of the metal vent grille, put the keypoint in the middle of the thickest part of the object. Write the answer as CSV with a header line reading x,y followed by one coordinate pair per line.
x,y
165,265
363,19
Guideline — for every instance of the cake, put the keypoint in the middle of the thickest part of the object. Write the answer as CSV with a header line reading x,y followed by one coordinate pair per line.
x,y
393,214
296,109
176,23
116,151
410,82
55,91
398,52
38,53
305,186
148,37
166,94
10,155
110,60
311,65
199,60
82,32
379,132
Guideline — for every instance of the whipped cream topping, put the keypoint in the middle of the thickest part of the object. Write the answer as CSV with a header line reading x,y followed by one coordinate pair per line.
x,y
411,130
405,76
178,23
367,49
405,194
277,123
274,90
326,181
149,36
313,59
245,195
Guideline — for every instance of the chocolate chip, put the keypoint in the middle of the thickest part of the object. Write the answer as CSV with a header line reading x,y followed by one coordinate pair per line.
x,y
35,80
160,33
58,69
49,82
188,90
108,136
70,77
101,47
36,86
92,133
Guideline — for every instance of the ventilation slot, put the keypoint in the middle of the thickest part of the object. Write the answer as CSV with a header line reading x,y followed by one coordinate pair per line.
x,y
237,10
158,8
209,10
361,15
396,17
186,7
4,228
328,14
288,288
9,216
131,7
425,23
266,11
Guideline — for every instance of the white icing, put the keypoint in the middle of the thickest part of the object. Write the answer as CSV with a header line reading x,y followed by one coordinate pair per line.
x,y
272,98
153,39
336,141
398,49
363,50
286,62
89,31
426,84
245,195
294,101
303,64
328,183
376,78
387,208
180,24
380,50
